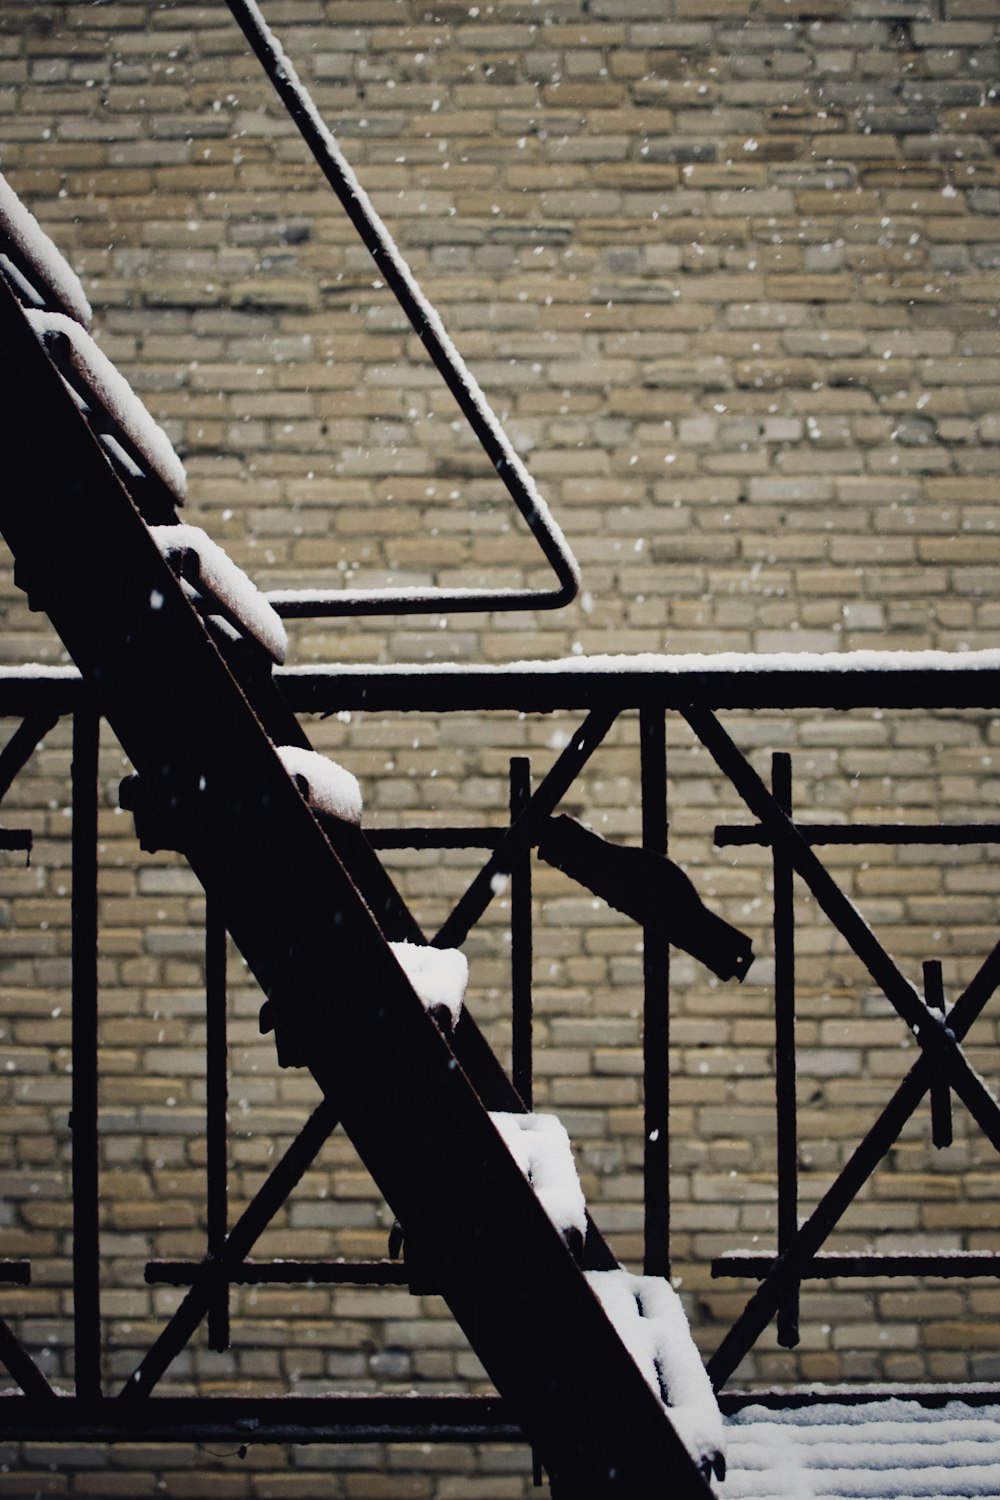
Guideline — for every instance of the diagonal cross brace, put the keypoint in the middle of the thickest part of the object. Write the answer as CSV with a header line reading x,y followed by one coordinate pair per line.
x,y
937,1039
522,832
271,1195
844,1189
22,1367
23,742
13,758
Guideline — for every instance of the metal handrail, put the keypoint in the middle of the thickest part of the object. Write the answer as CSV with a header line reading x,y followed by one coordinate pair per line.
x,y
430,330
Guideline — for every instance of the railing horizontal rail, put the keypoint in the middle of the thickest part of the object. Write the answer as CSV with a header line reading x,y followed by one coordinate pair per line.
x,y
284,1273
886,679
602,687
828,1265
862,679
951,834
262,1419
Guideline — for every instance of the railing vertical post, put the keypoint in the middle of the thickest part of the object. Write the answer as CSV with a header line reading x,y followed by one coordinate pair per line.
x,y
784,1047
216,1118
656,1007
521,943
941,1122
84,1095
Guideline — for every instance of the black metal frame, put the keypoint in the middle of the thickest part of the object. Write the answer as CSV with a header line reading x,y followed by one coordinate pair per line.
x,y
696,688
97,587
413,1100
940,1070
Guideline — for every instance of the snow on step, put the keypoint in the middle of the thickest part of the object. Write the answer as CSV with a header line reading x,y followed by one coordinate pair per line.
x,y
880,1450
220,577
540,1146
325,785
439,975
650,1320
49,266
113,391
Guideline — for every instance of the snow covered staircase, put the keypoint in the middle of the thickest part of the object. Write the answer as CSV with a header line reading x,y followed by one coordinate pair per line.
x,y
414,1100
891,1449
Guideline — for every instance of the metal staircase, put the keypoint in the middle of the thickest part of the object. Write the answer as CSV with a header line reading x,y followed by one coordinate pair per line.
x,y
307,903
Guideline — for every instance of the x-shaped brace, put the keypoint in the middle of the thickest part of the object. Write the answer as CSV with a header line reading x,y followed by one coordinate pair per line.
x,y
812,1233
927,1025
940,1044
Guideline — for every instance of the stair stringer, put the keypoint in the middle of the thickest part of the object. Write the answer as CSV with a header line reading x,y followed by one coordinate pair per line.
x,y
88,560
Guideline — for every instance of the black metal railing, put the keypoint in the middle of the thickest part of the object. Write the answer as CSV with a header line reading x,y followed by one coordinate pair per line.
x,y
686,688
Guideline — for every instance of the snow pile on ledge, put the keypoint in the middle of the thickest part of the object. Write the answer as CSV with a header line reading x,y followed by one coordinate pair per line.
x,y
115,394
326,786
648,1317
439,976
891,1449
540,1146
220,577
54,270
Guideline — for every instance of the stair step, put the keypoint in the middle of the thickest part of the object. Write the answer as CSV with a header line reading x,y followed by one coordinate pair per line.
x,y
541,1147
650,1320
438,975
26,250
326,786
209,570
107,394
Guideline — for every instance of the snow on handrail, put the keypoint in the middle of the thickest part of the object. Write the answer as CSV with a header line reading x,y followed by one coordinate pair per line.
x,y
842,679
682,663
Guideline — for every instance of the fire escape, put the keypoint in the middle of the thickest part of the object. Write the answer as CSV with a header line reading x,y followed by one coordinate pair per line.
x,y
182,655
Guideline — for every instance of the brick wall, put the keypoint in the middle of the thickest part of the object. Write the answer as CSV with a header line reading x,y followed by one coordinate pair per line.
x,y
729,274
